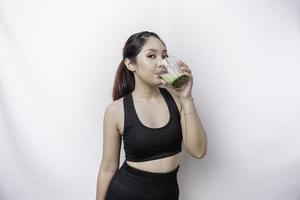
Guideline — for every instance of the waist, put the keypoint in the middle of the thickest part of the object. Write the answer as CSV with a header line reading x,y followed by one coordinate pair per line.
x,y
149,174
161,165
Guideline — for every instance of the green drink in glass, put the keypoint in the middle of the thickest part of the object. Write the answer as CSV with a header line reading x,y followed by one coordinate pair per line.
x,y
174,76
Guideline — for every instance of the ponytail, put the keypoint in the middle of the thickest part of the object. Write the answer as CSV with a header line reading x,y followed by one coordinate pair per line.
x,y
124,82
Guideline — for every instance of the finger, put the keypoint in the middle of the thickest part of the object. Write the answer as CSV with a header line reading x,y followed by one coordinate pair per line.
x,y
180,62
179,89
185,66
188,74
186,69
163,81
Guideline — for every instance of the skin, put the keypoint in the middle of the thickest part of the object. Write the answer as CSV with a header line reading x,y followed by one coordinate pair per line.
x,y
153,112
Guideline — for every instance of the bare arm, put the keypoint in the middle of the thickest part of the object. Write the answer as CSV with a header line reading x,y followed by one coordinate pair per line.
x,y
111,151
194,136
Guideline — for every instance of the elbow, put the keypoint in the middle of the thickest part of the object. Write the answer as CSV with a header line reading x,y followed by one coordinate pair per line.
x,y
200,154
202,150
199,151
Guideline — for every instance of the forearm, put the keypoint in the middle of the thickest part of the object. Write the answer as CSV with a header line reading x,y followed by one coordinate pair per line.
x,y
196,139
104,179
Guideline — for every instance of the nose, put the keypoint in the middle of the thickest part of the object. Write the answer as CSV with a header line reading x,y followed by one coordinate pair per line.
x,y
162,63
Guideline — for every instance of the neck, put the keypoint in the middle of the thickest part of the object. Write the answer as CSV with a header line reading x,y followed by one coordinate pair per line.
x,y
145,93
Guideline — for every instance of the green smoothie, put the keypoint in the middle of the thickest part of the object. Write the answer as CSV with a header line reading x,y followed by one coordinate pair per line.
x,y
175,80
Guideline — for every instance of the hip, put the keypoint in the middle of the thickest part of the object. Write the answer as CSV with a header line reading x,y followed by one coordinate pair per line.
x,y
132,183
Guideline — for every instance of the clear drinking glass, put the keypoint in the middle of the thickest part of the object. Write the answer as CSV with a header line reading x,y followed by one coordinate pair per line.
x,y
174,75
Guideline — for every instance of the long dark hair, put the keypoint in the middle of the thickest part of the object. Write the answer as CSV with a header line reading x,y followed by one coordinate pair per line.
x,y
124,80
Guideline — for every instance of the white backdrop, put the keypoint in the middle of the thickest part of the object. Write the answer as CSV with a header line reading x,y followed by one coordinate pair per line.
x,y
57,65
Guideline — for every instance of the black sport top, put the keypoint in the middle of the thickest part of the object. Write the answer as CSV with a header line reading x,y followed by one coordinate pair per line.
x,y
142,143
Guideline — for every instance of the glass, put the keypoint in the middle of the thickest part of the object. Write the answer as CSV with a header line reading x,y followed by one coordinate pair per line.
x,y
174,75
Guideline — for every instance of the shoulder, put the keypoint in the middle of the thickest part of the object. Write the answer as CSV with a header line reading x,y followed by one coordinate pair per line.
x,y
111,108
114,112
176,99
114,108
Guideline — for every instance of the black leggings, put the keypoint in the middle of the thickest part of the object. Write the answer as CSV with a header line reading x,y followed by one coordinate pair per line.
x,y
130,183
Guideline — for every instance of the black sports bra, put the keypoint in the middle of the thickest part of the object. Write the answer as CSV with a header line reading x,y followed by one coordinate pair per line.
x,y
142,143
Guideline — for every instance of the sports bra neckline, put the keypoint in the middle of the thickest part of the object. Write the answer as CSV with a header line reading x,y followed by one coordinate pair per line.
x,y
147,127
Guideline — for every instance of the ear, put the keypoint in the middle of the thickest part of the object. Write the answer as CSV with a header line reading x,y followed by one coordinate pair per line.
x,y
129,65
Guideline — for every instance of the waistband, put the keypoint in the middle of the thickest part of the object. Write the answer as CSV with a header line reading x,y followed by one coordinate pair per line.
x,y
143,173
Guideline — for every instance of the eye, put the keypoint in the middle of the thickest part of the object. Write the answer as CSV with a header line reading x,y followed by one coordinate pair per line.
x,y
150,56
153,56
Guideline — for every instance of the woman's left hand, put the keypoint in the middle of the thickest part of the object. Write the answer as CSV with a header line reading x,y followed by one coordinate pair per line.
x,y
186,91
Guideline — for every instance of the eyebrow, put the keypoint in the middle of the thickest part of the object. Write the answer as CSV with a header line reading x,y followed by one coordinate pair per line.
x,y
155,50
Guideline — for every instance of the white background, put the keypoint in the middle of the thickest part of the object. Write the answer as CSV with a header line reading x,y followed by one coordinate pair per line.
x,y
57,65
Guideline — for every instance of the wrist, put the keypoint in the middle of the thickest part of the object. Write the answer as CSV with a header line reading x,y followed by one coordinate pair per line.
x,y
189,113
186,98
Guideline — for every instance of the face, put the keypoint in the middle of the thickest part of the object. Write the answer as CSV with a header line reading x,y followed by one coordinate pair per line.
x,y
148,61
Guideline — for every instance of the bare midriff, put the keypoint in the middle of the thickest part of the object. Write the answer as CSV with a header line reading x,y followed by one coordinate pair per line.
x,y
162,165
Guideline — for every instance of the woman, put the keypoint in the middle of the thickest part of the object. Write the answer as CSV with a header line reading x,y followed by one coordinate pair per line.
x,y
152,121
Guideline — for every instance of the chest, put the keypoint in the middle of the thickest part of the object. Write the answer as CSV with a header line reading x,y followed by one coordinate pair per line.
x,y
149,114
152,115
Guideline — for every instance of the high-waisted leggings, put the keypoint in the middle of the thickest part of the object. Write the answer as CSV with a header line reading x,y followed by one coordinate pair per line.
x,y
130,183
